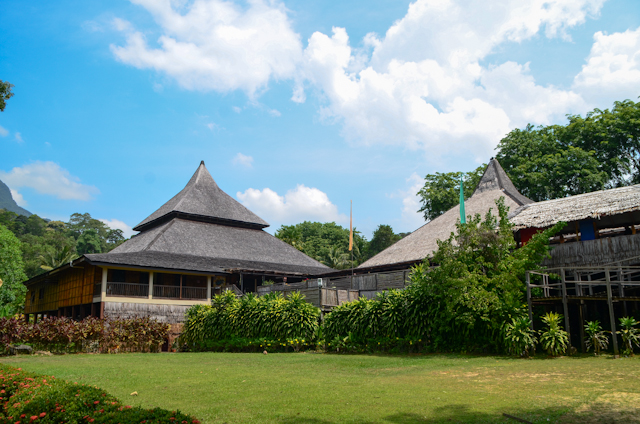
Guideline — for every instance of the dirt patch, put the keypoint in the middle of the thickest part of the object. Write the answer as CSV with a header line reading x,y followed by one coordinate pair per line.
x,y
618,407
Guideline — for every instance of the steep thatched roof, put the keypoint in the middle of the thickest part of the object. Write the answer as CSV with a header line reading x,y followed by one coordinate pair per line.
x,y
203,246
601,205
203,200
423,242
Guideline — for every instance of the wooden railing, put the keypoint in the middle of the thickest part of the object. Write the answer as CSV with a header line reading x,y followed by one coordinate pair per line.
x,y
127,289
177,292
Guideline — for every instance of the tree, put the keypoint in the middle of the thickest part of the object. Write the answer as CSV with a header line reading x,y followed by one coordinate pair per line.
x,y
383,237
441,191
89,242
601,150
101,238
325,242
5,93
12,291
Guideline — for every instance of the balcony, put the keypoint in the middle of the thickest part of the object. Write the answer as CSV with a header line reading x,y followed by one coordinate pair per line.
x,y
179,292
127,289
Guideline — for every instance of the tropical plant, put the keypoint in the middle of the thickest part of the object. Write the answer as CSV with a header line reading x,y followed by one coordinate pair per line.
x,y
520,337
54,258
554,339
597,340
630,335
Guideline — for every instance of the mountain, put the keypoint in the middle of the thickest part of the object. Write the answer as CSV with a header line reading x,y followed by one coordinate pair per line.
x,y
7,202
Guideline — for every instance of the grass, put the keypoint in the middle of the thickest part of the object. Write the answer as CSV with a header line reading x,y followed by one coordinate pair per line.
x,y
321,389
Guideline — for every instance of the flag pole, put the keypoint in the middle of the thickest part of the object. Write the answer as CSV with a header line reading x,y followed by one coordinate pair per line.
x,y
463,216
351,238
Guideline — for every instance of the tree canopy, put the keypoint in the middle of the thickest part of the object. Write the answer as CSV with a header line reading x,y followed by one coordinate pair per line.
x,y
5,94
441,191
12,274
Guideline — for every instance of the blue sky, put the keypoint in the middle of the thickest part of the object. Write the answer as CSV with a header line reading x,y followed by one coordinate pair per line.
x,y
296,107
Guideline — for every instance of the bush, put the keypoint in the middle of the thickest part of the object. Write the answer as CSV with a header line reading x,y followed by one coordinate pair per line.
x,y
243,324
597,339
554,339
64,335
31,398
630,335
520,337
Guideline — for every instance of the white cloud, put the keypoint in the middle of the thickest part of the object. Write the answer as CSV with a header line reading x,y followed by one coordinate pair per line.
x,y
236,109
18,137
116,224
3,131
215,44
275,113
422,85
612,71
18,198
212,126
243,160
48,178
411,218
297,205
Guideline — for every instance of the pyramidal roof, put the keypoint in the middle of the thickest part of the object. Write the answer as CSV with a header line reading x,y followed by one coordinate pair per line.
x,y
202,200
424,241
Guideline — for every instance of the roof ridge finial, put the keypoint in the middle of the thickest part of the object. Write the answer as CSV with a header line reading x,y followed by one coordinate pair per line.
x,y
202,163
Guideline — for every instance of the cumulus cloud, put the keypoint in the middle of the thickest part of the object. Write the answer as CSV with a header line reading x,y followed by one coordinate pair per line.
x,y
215,45
243,160
612,71
411,218
48,178
423,85
3,131
297,205
116,224
18,198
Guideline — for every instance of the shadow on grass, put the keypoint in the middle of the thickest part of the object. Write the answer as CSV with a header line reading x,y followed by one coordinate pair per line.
x,y
595,413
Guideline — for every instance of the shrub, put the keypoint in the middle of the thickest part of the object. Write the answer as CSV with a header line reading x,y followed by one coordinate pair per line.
x,y
520,337
630,335
554,339
63,335
31,398
243,324
597,339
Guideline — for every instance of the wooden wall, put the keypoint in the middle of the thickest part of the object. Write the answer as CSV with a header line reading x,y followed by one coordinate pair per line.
x,y
74,286
594,252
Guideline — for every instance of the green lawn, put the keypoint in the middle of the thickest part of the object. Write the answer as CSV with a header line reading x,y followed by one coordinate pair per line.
x,y
318,389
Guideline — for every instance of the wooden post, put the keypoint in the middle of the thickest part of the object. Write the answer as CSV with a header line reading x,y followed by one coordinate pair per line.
x,y
180,286
103,290
565,304
101,310
529,300
624,302
581,312
612,317
241,283
209,289
150,284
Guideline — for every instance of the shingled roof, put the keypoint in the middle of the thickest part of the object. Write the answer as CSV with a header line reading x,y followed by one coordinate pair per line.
x,y
202,200
424,241
202,246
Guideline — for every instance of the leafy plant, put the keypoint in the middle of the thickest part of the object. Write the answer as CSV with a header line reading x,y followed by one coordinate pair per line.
x,y
554,339
520,337
630,335
597,340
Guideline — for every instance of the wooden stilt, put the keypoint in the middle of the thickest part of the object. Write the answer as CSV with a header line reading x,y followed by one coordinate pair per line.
x,y
612,317
529,300
565,304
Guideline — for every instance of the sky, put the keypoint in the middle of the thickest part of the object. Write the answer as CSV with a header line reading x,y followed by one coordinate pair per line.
x,y
296,107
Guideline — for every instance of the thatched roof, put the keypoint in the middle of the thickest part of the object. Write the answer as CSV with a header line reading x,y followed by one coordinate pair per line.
x,y
601,205
202,246
423,242
203,200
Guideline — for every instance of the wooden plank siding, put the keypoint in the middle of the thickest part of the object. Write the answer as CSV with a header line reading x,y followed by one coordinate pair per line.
x,y
74,286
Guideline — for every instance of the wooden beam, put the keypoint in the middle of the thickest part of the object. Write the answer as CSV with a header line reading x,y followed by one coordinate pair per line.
x,y
529,301
612,317
565,304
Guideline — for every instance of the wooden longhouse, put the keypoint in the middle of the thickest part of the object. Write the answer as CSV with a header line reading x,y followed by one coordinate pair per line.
x,y
593,272
199,243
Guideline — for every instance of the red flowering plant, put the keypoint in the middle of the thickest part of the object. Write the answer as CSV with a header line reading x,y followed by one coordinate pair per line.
x,y
30,398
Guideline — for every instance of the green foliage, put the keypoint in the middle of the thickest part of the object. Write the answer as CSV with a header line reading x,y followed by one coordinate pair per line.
x,y
12,291
5,93
441,191
64,335
383,237
553,339
325,242
630,335
33,398
520,337
92,235
459,305
597,339
598,151
231,321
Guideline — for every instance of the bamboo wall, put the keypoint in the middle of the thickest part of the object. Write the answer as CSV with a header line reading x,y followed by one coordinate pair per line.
x,y
595,252
74,286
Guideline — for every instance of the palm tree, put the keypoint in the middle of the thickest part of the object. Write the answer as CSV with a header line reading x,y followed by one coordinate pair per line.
x,y
55,258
